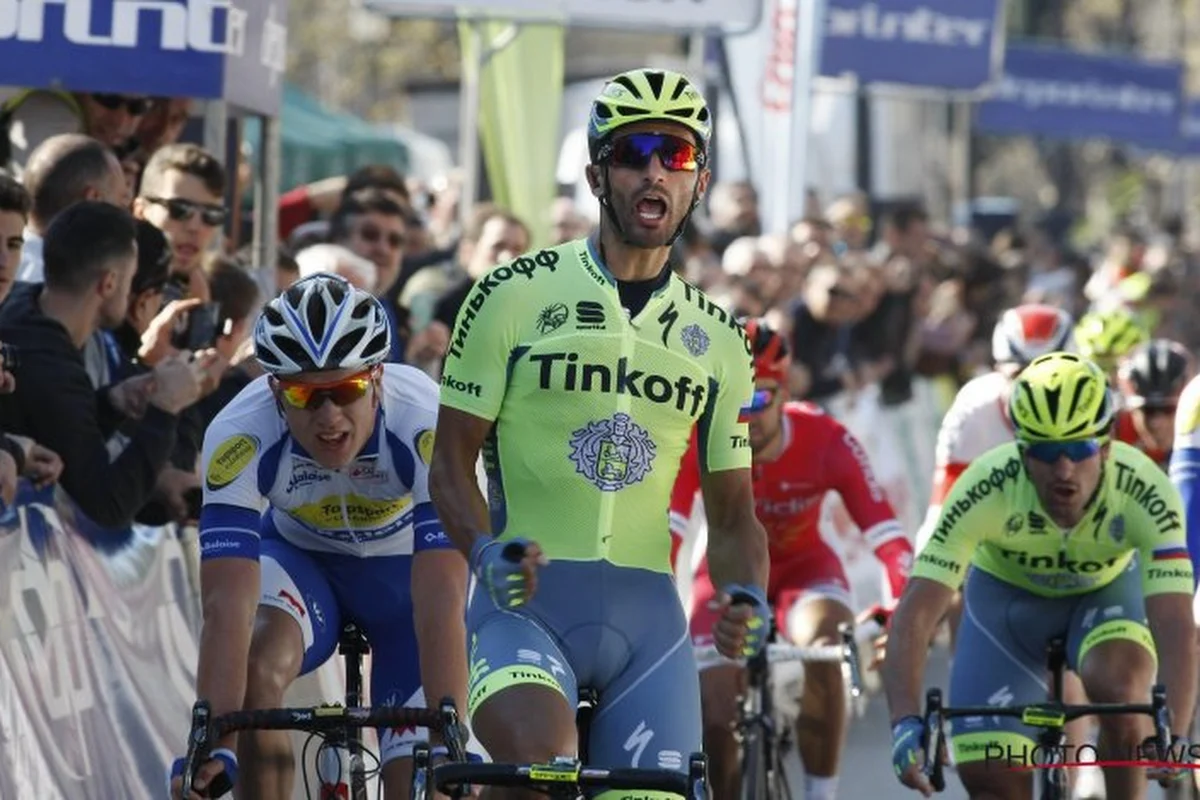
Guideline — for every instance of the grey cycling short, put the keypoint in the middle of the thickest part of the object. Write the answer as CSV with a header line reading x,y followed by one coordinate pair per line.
x,y
1000,654
618,630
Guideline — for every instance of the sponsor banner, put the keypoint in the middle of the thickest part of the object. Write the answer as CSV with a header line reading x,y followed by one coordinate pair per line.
x,y
660,14
97,655
950,45
210,49
1071,95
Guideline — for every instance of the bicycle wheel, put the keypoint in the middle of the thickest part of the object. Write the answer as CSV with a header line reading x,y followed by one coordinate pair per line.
x,y
754,766
779,789
1054,784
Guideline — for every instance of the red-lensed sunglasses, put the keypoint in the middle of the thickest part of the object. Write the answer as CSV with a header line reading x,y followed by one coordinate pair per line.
x,y
312,395
635,151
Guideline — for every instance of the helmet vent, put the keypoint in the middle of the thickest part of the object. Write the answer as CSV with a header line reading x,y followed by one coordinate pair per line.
x,y
315,314
655,79
680,86
272,314
346,345
602,111
630,111
629,86
292,349
361,310
337,293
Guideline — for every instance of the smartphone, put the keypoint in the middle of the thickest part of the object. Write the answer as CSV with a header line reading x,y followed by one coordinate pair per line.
x,y
197,329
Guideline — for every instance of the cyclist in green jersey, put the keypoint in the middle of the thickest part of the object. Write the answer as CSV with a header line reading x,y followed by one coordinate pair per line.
x,y
581,371
1063,533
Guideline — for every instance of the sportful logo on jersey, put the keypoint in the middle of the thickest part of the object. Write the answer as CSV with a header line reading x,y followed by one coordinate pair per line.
x,y
613,453
566,372
694,339
589,315
525,266
552,317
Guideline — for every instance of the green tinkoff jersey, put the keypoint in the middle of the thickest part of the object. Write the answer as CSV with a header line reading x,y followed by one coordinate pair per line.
x,y
593,410
993,520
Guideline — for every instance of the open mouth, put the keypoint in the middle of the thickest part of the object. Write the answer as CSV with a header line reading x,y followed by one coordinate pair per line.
x,y
332,440
651,209
1063,492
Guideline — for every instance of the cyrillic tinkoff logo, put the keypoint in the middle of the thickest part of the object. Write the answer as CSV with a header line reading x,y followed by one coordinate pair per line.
x,y
1034,757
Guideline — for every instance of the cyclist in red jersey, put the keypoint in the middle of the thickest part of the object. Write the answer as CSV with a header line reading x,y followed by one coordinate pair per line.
x,y
800,453
1151,378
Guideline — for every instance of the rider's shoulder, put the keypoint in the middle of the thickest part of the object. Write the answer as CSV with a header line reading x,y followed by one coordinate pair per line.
x,y
999,467
982,390
810,415
1130,460
535,267
408,388
252,411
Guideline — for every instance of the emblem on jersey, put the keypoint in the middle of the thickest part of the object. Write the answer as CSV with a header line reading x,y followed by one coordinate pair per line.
x,y
1014,524
694,339
229,459
589,315
1116,528
552,317
613,453
424,442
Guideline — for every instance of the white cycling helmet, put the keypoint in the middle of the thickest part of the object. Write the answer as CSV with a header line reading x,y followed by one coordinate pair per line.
x,y
1026,332
321,323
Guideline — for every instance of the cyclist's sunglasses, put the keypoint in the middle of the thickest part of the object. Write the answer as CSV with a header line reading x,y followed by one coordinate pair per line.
x,y
1051,452
182,210
313,395
761,400
635,150
136,106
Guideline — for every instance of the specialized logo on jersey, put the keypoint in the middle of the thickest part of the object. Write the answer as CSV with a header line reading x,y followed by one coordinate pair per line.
x,y
229,459
552,317
613,453
566,372
695,339
424,444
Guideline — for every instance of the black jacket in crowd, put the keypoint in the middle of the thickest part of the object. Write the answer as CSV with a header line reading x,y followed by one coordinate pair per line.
x,y
56,405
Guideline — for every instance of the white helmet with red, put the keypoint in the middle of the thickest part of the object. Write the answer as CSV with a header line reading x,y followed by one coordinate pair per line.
x,y
1028,331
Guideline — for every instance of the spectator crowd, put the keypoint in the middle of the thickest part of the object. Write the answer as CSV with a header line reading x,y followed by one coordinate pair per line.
x,y
127,299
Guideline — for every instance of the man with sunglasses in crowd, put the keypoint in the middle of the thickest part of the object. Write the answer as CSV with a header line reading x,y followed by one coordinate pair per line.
x,y
800,454
316,513
183,194
1062,533
584,368
30,117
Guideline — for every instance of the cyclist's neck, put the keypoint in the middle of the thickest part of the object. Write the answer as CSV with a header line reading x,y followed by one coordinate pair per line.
x,y
625,262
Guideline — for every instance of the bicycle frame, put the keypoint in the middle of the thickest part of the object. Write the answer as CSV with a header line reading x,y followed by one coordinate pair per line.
x,y
347,742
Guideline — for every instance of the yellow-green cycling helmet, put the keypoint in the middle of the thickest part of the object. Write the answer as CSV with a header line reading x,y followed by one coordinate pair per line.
x,y
1106,336
642,95
1060,397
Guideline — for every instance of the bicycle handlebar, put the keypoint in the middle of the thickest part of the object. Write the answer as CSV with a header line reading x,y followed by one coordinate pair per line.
x,y
452,778
207,729
1044,715
778,652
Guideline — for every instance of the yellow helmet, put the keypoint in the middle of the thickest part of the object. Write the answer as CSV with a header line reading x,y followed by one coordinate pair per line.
x,y
1060,397
1106,336
641,95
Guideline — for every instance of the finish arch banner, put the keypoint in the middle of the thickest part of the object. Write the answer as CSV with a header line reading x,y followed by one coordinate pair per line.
x,y
233,50
643,14
97,656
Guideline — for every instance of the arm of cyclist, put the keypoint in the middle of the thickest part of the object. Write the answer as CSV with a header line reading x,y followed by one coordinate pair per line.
x,y
454,489
737,561
851,475
439,592
1167,581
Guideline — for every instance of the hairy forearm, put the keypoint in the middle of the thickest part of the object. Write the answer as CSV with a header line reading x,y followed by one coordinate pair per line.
x,y
912,628
224,651
1170,618
459,503
737,553
439,610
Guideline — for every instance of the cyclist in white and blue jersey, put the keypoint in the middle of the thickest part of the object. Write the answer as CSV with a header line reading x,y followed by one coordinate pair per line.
x,y
317,512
